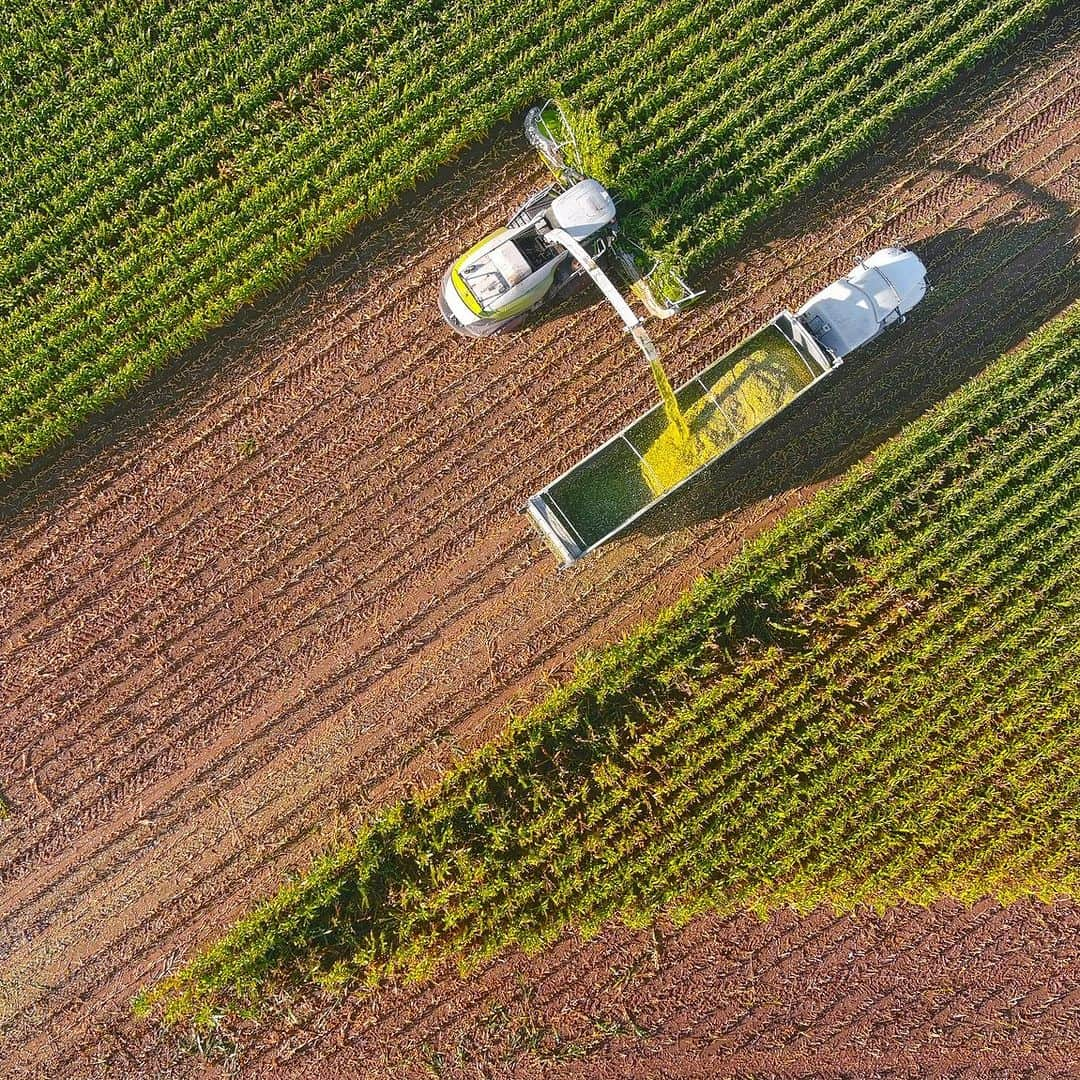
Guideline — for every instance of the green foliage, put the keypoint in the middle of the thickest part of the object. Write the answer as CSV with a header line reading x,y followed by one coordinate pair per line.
x,y
876,702
162,165
595,153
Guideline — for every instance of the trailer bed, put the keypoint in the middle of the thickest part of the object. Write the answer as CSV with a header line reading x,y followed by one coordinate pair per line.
x,y
648,460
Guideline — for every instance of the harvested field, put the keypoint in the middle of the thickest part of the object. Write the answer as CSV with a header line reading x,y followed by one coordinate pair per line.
x,y
873,704
909,994
293,581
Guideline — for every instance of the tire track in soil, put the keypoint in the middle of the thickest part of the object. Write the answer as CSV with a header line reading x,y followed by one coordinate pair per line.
x,y
195,500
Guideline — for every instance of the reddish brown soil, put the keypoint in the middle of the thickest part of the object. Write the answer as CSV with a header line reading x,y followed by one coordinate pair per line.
x,y
911,993
291,581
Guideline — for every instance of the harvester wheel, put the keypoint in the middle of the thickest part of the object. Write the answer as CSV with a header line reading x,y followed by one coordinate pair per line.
x,y
570,279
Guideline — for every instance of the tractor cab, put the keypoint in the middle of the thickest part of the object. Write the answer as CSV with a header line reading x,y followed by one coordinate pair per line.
x,y
879,291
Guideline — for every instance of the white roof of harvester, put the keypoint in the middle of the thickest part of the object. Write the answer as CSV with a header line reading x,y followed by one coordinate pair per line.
x,y
879,291
582,209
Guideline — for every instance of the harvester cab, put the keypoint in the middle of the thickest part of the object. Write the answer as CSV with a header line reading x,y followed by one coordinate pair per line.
x,y
549,246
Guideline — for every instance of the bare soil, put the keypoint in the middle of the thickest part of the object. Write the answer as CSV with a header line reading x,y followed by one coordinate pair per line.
x,y
290,582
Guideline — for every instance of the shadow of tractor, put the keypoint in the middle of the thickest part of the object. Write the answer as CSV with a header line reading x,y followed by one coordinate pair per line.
x,y
991,286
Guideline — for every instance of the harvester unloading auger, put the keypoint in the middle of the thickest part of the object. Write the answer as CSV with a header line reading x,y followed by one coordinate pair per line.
x,y
554,242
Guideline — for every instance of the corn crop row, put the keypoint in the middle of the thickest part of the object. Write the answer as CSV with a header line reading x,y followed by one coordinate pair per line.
x,y
163,164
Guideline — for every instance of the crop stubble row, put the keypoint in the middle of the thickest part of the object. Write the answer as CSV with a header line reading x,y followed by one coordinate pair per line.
x,y
92,763
266,598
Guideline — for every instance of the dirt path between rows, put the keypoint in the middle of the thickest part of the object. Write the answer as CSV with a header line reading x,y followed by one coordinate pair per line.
x,y
291,582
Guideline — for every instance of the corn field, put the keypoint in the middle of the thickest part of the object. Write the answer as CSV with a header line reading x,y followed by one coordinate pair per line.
x,y
165,164
875,703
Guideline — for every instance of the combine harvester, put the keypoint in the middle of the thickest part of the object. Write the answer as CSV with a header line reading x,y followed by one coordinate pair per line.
x,y
554,242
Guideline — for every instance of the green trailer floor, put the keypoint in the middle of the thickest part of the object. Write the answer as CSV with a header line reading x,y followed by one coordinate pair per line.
x,y
602,492
722,405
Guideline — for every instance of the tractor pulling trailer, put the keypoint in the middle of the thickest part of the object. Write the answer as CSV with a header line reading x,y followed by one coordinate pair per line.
x,y
554,243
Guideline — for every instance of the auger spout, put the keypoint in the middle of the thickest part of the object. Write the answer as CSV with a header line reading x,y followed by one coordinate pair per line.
x,y
614,297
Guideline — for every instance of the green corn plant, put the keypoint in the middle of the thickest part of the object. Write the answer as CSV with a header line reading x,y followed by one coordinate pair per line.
x,y
155,185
